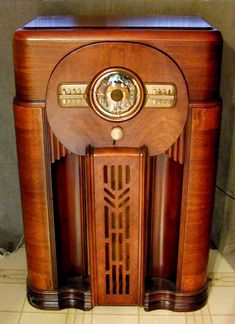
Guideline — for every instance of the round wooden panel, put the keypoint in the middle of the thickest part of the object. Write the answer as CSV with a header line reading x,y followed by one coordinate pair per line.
x,y
157,128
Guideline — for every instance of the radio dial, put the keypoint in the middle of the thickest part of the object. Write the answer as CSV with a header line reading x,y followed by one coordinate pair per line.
x,y
117,94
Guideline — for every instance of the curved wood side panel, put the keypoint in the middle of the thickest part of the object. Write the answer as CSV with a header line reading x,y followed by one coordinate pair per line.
x,y
33,160
198,194
66,193
166,182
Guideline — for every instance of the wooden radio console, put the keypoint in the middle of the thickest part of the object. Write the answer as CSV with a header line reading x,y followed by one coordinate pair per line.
x,y
117,123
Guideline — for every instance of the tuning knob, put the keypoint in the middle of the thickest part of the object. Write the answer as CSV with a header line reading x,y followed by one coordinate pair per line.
x,y
117,133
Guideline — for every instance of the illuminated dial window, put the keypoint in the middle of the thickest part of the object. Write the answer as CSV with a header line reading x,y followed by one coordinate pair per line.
x,y
117,94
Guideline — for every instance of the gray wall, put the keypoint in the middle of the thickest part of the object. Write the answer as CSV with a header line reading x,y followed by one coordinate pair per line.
x,y
14,13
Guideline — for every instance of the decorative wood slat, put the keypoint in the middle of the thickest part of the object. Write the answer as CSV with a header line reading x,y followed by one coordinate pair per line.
x,y
176,151
57,149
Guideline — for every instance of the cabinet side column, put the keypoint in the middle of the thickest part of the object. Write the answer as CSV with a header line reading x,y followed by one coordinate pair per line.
x,y
36,197
198,195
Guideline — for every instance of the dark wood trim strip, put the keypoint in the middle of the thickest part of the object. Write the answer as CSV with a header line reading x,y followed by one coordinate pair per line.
x,y
59,299
91,222
176,301
83,214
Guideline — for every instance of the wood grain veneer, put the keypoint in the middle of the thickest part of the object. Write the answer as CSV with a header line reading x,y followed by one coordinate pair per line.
x,y
166,192
117,224
79,127
198,194
81,250
35,192
201,71
66,197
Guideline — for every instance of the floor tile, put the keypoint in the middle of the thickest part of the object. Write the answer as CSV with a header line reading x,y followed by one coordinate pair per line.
x,y
74,319
111,319
36,318
87,319
197,319
201,312
30,309
16,260
225,279
116,310
13,276
222,300
223,319
75,311
160,312
207,320
162,320
12,297
9,318
217,263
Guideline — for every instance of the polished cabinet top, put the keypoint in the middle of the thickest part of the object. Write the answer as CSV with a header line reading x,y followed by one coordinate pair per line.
x,y
173,22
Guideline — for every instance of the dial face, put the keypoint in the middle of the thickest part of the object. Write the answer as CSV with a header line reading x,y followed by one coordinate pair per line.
x,y
116,94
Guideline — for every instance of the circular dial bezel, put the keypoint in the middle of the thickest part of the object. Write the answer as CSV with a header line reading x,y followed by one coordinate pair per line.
x,y
121,115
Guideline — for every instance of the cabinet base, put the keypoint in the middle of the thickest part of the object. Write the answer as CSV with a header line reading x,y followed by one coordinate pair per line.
x,y
81,299
63,298
175,301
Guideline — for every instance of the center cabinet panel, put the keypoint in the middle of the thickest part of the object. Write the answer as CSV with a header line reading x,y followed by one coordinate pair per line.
x,y
117,224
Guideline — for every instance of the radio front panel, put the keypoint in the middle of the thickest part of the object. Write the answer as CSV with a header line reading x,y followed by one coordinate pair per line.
x,y
117,136
119,93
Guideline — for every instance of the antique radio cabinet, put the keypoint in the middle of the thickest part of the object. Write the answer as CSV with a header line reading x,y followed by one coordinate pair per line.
x,y
117,124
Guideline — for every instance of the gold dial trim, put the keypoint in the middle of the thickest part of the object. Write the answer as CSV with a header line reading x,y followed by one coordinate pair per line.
x,y
111,96
160,95
72,95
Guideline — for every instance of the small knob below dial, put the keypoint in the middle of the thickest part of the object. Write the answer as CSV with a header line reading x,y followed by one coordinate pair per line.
x,y
117,133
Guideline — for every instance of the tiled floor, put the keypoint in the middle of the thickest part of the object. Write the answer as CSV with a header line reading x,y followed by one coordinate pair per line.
x,y
14,308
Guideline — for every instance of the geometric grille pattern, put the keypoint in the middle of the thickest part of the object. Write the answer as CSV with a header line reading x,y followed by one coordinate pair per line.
x,y
117,224
116,214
